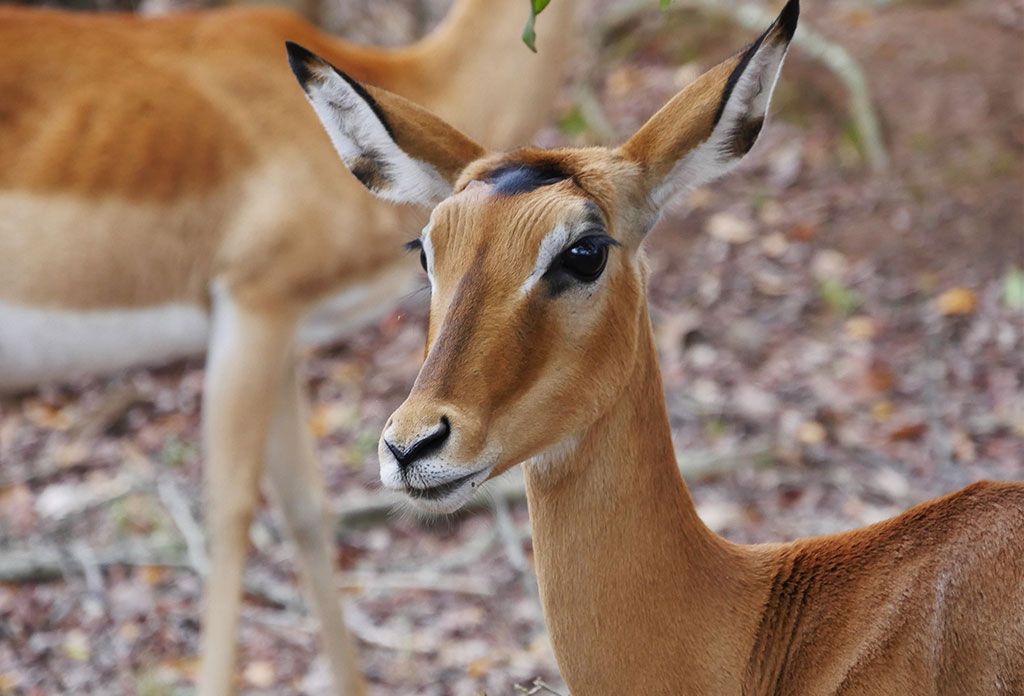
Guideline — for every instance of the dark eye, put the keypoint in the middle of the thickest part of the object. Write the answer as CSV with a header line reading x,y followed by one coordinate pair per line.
x,y
423,258
585,259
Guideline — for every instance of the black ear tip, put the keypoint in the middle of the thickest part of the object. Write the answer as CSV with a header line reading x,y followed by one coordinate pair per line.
x,y
788,18
300,61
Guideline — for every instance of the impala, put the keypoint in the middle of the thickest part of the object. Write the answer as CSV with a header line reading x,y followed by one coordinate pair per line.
x,y
540,351
163,187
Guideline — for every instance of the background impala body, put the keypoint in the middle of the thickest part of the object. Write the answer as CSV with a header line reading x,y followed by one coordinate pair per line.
x,y
164,188
540,351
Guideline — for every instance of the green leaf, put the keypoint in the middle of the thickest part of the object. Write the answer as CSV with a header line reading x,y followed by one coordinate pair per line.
x,y
529,35
839,298
1013,289
665,4
572,122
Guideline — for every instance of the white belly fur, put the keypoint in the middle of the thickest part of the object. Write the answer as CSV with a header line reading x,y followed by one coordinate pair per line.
x,y
42,345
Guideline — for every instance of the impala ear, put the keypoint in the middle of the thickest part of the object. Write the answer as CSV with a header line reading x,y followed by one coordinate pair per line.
x,y
398,150
709,126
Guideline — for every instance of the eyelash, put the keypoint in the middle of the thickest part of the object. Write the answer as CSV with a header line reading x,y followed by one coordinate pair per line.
x,y
599,239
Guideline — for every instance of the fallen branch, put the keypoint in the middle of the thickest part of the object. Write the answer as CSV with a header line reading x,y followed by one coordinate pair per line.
x,y
357,511
427,580
178,507
46,564
830,54
360,510
538,687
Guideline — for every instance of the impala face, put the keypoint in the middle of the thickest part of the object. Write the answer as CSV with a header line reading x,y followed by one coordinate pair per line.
x,y
524,265
533,258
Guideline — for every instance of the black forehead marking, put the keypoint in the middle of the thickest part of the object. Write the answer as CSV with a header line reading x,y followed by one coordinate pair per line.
x,y
513,178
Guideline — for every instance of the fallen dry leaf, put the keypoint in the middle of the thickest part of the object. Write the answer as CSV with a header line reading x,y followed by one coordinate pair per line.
x,y
880,377
881,411
908,433
803,232
479,667
259,674
860,327
956,302
811,433
152,575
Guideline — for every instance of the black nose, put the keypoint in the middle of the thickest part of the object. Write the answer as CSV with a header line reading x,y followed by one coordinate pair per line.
x,y
421,448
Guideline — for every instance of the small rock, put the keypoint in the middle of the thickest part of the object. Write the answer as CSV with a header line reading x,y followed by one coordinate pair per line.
x,y
730,228
260,674
774,245
755,402
829,264
707,393
702,356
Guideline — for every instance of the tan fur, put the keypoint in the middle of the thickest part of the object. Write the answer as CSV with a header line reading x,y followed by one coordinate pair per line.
x,y
640,597
152,161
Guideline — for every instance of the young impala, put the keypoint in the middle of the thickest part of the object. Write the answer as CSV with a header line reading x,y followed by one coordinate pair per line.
x,y
540,351
157,172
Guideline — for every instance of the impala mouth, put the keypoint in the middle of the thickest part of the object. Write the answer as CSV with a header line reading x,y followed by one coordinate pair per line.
x,y
439,491
447,496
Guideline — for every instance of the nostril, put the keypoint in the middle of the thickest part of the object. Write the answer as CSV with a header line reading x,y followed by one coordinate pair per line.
x,y
422,447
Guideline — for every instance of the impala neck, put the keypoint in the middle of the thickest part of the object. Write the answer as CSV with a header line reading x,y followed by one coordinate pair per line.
x,y
623,559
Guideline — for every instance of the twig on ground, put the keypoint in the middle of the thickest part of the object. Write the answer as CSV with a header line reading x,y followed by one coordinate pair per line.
x,y
47,563
178,507
369,509
538,687
369,632
86,560
113,404
428,580
830,54
361,510
44,564
467,554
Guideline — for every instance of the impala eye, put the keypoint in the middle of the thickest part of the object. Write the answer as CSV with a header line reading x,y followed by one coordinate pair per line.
x,y
586,259
415,244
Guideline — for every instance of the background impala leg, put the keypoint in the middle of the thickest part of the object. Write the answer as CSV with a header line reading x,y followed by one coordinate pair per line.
x,y
247,359
298,489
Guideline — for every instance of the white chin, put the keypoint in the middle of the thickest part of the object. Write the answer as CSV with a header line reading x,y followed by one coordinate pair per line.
x,y
446,505
446,496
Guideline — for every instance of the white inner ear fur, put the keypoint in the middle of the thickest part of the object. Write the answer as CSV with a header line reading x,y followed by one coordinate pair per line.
x,y
362,141
749,100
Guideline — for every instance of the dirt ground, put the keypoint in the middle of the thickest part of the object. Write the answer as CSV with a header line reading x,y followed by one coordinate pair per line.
x,y
837,344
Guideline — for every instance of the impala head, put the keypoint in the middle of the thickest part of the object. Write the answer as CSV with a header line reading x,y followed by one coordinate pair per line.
x,y
534,259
